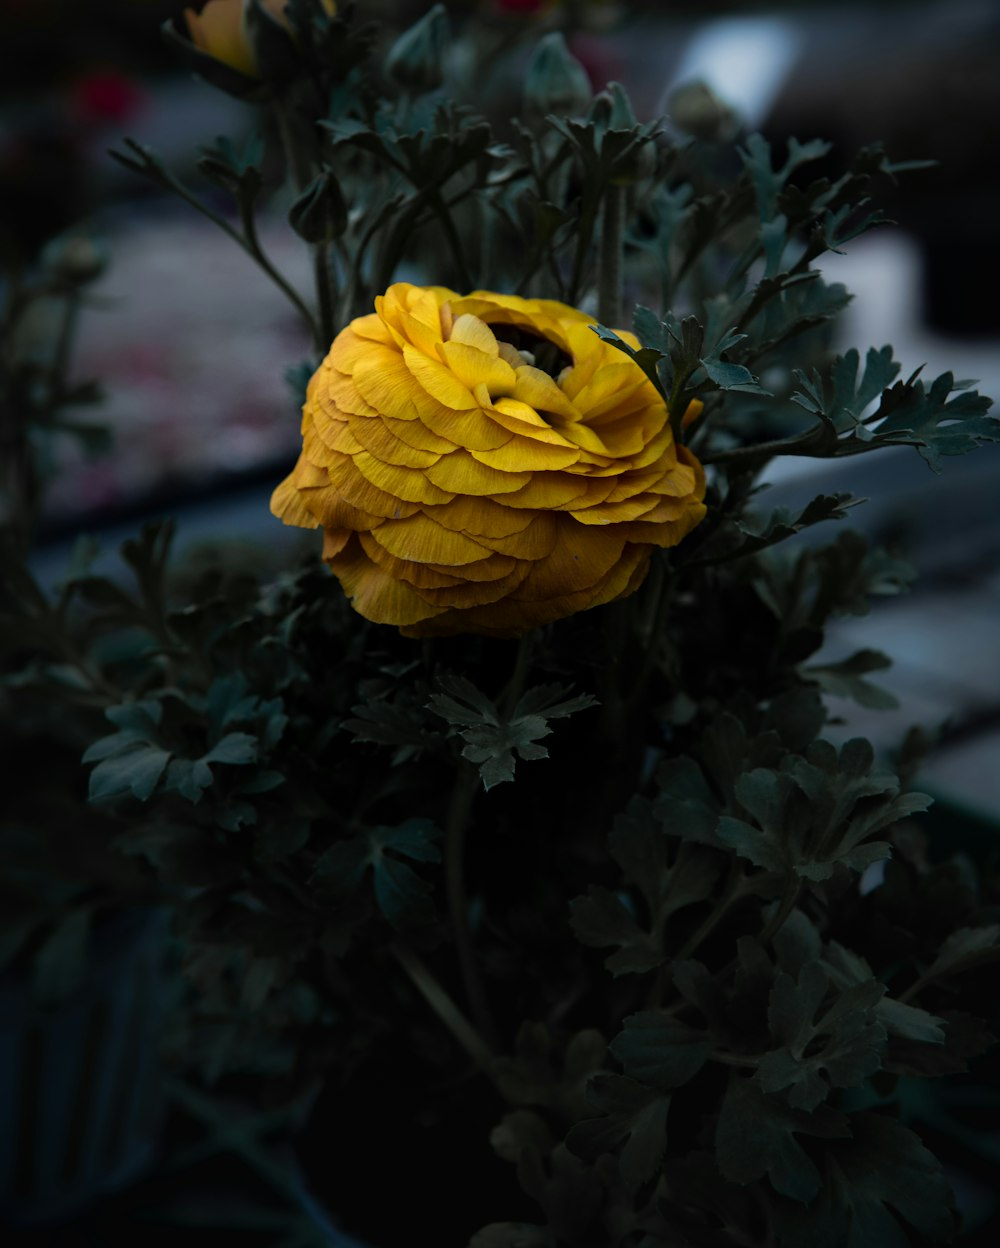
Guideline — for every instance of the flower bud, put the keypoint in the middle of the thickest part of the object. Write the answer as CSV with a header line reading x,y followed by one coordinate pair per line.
x,y
698,111
319,214
239,45
75,259
416,59
555,81
612,110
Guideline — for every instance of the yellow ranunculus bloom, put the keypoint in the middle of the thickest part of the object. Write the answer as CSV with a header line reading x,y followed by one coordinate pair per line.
x,y
220,30
485,464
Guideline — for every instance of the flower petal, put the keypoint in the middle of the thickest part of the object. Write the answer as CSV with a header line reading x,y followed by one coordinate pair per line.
x,y
460,473
422,540
437,380
377,595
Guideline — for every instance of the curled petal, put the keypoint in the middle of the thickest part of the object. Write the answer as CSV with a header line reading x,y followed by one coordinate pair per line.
x,y
462,488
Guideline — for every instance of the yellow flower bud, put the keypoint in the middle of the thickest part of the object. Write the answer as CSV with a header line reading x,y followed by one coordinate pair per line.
x,y
220,30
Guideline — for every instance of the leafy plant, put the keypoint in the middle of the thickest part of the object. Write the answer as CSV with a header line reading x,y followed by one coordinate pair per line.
x,y
658,947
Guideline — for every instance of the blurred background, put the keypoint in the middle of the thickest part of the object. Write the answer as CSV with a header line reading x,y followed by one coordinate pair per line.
x,y
192,345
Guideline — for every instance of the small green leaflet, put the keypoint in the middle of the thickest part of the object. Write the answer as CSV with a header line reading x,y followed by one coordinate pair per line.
x,y
401,895
491,737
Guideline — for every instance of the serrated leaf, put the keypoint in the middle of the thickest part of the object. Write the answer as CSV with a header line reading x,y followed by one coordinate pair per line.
x,y
883,1170
755,1135
839,1046
492,739
631,1115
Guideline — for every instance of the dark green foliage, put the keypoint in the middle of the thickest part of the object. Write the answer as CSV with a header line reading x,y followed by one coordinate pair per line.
x,y
491,737
653,949
401,895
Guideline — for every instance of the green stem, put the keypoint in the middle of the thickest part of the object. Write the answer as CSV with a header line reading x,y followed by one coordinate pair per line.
x,y
250,241
296,157
731,892
609,287
585,236
326,292
515,686
734,1059
445,1008
674,409
232,1135
462,798
816,443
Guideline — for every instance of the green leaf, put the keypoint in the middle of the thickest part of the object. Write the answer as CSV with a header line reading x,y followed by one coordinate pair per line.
x,y
401,895
491,738
755,1135
603,918
235,748
933,422
845,679
136,770
667,875
687,805
767,180
839,1047
818,812
648,358
631,1115
847,969
883,1171
656,1049
964,949
399,723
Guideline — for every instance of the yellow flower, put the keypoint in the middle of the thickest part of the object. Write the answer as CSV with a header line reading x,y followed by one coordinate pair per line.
x,y
485,464
220,30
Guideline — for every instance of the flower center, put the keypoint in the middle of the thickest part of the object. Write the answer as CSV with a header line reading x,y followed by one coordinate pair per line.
x,y
538,351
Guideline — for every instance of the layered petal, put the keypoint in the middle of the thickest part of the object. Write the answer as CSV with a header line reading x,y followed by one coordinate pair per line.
x,y
461,487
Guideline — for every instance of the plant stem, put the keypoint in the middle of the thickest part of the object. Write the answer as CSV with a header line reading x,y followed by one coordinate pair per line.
x,y
326,294
585,235
462,798
296,158
815,443
731,892
444,1007
609,288
515,686
250,241
734,1059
